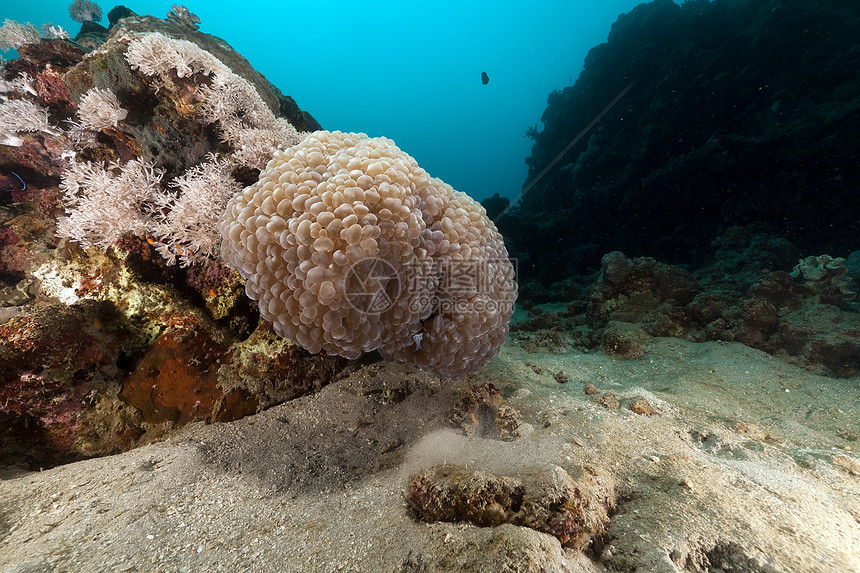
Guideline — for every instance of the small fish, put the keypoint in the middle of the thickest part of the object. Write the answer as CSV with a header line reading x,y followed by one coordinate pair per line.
x,y
485,79
14,187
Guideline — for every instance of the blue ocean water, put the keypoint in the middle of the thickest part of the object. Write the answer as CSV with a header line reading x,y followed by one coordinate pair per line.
x,y
408,71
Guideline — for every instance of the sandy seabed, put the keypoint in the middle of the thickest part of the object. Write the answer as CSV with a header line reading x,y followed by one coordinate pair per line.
x,y
750,464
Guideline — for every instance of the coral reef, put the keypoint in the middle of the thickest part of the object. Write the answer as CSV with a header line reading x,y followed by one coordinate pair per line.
x,y
58,362
482,412
825,276
106,347
99,109
85,11
642,290
119,322
809,319
182,16
14,35
18,116
244,119
547,499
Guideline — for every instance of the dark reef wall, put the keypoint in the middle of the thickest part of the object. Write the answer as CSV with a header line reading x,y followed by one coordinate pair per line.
x,y
741,112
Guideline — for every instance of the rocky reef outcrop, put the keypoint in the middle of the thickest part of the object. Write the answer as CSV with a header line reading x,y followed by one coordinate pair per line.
x,y
101,351
810,320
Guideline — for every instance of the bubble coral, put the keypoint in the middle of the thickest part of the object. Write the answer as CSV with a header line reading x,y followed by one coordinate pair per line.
x,y
349,246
